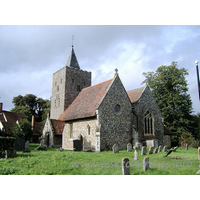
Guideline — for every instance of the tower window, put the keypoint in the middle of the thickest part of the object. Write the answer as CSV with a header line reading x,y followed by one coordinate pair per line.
x,y
57,88
78,88
61,81
72,80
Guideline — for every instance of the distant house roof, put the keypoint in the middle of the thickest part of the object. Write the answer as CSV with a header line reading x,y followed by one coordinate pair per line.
x,y
86,102
58,126
7,126
134,95
12,116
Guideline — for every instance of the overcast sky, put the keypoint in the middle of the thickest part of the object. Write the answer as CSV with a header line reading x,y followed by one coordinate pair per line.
x,y
29,55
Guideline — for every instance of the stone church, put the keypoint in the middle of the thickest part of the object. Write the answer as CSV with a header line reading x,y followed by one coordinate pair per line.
x,y
98,116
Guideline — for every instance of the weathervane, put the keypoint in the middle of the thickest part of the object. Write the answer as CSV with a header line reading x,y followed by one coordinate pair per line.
x,y
72,39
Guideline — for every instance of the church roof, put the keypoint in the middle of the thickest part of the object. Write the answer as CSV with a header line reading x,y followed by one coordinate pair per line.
x,y
134,95
86,102
58,126
72,60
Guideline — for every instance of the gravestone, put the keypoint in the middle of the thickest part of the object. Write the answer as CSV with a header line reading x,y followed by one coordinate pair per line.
x,y
159,149
186,147
19,145
136,154
199,153
146,163
125,166
165,149
10,153
144,151
151,150
155,150
129,147
27,144
77,145
115,148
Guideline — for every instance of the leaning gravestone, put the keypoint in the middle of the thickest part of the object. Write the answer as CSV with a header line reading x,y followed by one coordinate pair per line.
x,y
115,148
165,149
125,166
199,153
186,147
159,149
129,147
155,150
151,150
143,151
146,163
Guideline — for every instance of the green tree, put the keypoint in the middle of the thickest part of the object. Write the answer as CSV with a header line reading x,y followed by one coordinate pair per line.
x,y
22,130
169,88
31,105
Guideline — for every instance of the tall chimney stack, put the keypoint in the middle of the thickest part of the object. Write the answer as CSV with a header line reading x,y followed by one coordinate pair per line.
x,y
1,107
33,122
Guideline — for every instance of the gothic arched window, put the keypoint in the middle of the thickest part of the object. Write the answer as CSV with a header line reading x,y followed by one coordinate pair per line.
x,y
148,123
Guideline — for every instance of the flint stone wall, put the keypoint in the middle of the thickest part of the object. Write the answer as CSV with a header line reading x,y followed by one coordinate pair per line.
x,y
144,104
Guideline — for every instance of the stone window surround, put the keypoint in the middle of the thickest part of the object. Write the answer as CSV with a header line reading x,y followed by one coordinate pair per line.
x,y
152,117
88,129
117,109
70,135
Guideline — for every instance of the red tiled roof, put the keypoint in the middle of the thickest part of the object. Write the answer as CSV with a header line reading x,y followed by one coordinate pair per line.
x,y
13,117
37,128
134,95
2,118
86,102
8,126
58,126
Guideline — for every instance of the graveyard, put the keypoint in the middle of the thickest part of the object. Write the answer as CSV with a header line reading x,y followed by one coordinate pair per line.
x,y
55,162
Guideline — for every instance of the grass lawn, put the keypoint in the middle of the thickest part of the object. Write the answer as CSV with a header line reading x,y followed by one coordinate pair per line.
x,y
54,162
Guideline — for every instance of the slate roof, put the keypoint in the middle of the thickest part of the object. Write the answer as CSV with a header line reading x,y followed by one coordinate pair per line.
x,y
86,102
72,60
134,95
58,126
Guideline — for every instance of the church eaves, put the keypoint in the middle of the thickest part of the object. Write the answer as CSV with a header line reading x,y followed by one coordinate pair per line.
x,y
72,60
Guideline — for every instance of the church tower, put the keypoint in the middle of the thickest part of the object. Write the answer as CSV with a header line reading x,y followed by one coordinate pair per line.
x,y
67,84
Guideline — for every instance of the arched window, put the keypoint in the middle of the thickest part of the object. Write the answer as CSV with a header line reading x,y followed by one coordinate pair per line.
x,y
88,129
148,123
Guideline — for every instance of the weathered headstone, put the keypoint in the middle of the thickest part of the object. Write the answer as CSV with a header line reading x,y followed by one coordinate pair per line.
x,y
136,154
143,151
186,147
115,148
199,153
129,147
165,149
10,153
159,149
146,163
151,150
125,166
156,150
27,144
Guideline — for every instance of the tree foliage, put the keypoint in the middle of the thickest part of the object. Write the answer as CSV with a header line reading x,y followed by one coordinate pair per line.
x,y
31,105
22,130
169,88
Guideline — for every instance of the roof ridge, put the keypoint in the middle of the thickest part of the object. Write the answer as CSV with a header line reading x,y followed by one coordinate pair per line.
x,y
97,84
